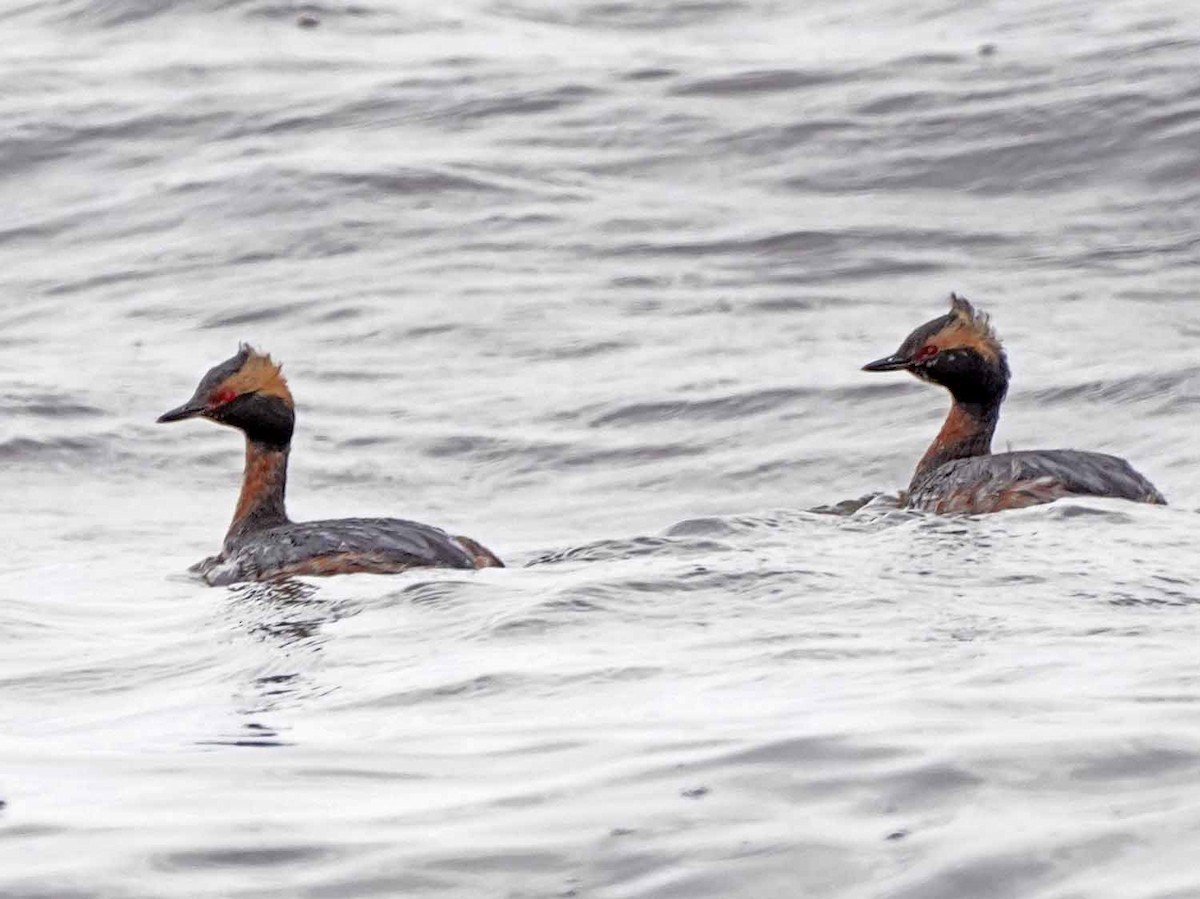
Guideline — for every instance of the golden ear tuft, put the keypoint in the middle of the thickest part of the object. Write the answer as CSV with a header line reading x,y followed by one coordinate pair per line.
x,y
961,308
971,328
259,374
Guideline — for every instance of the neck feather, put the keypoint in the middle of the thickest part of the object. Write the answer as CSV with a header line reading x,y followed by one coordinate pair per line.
x,y
966,432
264,482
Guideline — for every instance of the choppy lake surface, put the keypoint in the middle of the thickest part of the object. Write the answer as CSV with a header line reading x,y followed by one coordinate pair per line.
x,y
591,282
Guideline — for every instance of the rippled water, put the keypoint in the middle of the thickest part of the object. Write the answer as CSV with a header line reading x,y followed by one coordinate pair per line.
x,y
591,282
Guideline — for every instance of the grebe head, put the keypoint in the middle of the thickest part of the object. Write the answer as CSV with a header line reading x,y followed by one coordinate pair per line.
x,y
247,392
959,351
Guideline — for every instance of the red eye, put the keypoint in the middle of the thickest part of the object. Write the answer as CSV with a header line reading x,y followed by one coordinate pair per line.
x,y
925,353
221,397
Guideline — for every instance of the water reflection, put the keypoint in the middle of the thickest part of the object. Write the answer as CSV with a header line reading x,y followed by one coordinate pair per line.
x,y
289,618
289,614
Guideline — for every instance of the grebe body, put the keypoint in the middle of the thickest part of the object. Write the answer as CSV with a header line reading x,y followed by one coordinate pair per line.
x,y
340,546
959,473
248,392
1015,480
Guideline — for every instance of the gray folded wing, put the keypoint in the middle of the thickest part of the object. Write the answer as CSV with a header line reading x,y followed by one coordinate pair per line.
x,y
331,547
1014,480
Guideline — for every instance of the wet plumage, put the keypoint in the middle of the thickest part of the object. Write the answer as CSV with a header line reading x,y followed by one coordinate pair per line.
x,y
958,473
249,392
336,546
1015,480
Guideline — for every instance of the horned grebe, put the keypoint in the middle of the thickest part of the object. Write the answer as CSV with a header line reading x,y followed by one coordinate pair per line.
x,y
248,392
958,473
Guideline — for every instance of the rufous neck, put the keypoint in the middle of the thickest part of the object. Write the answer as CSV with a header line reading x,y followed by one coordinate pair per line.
x,y
264,482
967,432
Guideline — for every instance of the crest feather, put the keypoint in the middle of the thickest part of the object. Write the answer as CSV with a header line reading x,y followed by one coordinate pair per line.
x,y
259,374
969,327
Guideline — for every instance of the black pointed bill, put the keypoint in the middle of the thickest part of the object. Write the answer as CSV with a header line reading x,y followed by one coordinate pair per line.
x,y
895,362
190,409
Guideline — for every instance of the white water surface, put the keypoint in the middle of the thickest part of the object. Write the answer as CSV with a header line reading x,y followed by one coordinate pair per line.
x,y
591,282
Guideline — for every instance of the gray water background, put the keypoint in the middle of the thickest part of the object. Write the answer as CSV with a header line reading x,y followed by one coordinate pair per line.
x,y
591,282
